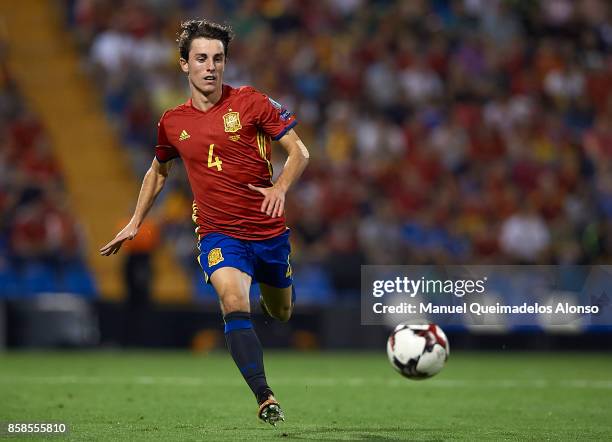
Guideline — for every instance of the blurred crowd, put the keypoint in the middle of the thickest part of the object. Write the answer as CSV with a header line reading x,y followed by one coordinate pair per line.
x,y
442,131
40,238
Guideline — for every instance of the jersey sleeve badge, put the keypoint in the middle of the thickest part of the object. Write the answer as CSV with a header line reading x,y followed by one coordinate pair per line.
x,y
284,113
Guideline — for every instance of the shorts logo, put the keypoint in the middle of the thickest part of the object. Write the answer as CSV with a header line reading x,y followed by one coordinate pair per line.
x,y
214,257
289,269
231,121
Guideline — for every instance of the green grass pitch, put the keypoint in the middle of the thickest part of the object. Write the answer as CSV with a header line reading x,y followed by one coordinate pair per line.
x,y
326,396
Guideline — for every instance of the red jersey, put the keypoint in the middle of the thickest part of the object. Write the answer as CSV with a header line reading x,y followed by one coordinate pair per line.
x,y
224,149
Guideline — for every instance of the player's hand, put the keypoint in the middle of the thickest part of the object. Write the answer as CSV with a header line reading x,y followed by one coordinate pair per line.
x,y
274,200
128,232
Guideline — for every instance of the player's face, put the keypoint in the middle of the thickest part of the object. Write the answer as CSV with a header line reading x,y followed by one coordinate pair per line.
x,y
205,65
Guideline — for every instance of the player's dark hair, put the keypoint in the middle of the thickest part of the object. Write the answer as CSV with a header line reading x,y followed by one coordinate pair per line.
x,y
191,29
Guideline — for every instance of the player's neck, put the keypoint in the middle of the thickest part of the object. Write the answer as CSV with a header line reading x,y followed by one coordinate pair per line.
x,y
204,102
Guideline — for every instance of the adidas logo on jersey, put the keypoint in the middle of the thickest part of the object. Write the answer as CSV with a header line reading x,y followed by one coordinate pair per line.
x,y
184,135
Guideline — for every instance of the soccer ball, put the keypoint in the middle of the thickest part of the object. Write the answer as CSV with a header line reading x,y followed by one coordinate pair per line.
x,y
418,351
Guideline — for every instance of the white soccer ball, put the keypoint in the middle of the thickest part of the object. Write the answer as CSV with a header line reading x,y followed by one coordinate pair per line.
x,y
418,351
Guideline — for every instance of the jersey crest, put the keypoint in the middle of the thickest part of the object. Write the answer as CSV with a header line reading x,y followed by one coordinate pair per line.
x,y
231,122
214,257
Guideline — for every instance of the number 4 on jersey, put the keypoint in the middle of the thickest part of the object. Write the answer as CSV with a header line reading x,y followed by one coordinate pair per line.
x,y
217,163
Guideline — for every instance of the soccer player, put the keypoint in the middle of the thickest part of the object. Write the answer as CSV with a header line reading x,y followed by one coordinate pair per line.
x,y
223,135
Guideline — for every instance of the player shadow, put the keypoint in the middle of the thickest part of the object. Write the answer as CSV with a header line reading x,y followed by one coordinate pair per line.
x,y
352,433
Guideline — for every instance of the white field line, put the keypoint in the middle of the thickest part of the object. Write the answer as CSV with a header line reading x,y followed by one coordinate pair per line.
x,y
185,381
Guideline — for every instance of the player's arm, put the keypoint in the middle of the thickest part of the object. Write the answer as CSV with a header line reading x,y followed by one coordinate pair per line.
x,y
297,159
152,184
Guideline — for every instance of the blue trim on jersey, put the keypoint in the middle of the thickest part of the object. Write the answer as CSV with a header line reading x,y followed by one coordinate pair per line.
x,y
285,130
238,324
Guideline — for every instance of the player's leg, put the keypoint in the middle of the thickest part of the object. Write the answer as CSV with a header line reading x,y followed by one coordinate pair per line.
x,y
232,287
277,302
275,276
226,260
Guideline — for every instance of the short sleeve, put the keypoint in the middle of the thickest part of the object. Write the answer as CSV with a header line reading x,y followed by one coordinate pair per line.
x,y
272,117
164,150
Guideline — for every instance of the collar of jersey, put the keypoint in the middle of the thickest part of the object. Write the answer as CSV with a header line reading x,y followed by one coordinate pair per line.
x,y
223,96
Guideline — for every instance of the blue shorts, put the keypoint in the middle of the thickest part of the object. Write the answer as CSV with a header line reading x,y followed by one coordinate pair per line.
x,y
266,261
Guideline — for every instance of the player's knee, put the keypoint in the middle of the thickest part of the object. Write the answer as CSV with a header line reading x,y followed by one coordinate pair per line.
x,y
280,312
233,303
284,314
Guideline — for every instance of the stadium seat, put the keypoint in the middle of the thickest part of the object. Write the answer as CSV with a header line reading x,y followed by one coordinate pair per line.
x,y
38,278
76,279
10,286
313,286
201,290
